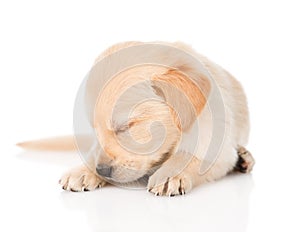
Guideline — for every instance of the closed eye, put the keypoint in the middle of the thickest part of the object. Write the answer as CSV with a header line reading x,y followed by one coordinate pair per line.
x,y
121,128
125,126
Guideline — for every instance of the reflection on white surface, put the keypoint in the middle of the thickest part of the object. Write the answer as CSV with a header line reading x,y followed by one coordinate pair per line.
x,y
38,203
219,206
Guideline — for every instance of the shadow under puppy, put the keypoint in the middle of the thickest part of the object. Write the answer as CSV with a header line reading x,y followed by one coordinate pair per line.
x,y
154,125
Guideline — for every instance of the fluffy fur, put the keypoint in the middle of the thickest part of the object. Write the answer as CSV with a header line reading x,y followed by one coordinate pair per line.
x,y
179,103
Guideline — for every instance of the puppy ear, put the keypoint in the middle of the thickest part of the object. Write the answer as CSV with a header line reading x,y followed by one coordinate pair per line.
x,y
185,96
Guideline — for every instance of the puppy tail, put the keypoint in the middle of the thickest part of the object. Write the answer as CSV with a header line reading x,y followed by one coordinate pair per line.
x,y
61,143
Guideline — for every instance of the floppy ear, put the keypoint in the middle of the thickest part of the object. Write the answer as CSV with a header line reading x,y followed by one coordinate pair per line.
x,y
186,96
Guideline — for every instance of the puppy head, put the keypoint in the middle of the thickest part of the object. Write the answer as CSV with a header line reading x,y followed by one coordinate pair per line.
x,y
139,118
137,147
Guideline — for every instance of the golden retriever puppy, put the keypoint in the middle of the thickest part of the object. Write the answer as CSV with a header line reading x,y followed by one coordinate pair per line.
x,y
167,118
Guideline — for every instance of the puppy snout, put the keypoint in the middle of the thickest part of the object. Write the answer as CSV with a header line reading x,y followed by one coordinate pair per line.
x,y
104,170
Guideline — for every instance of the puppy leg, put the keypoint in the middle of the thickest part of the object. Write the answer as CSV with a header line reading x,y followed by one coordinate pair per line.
x,y
181,173
177,176
81,179
245,161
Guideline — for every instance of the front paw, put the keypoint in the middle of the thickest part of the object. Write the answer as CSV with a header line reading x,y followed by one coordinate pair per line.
x,y
169,186
81,179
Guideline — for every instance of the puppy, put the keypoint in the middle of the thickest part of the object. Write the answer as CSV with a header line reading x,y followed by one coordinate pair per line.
x,y
171,124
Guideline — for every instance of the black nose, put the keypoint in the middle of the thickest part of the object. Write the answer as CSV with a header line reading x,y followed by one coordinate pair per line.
x,y
104,170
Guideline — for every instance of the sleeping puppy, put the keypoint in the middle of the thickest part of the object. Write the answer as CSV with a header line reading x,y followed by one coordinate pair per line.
x,y
174,121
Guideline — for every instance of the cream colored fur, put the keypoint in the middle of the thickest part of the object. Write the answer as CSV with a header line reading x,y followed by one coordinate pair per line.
x,y
180,171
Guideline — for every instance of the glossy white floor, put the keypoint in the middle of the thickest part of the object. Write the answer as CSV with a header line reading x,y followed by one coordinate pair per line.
x,y
47,48
31,199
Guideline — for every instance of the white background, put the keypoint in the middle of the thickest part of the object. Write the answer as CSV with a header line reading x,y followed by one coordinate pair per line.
x,y
46,48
